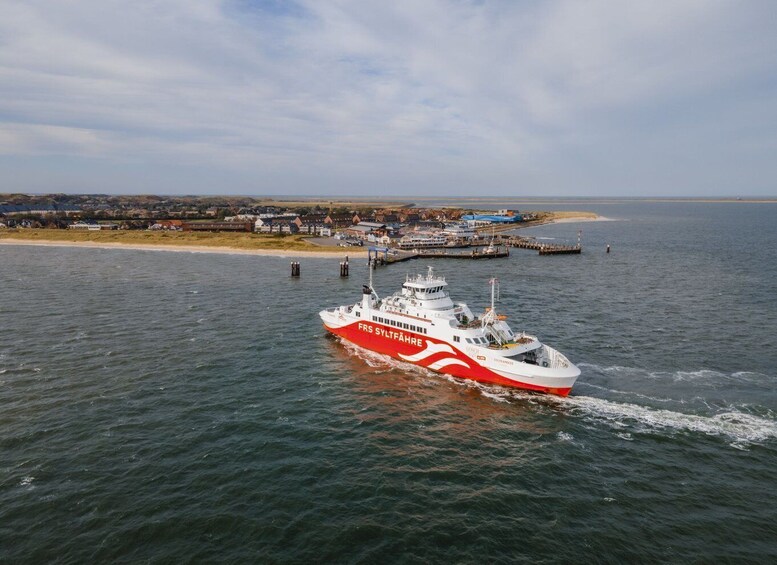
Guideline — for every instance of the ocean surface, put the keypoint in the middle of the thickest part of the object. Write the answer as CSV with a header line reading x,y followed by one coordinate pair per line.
x,y
162,407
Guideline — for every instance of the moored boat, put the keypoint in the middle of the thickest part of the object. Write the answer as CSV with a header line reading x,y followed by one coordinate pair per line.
x,y
420,324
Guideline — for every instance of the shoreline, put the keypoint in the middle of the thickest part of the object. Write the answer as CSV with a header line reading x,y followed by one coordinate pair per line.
x,y
182,248
287,253
575,220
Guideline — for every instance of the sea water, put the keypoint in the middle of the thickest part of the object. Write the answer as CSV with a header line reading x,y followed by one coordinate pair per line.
x,y
172,407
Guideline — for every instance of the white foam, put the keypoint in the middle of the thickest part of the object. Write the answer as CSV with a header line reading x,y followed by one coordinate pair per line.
x,y
741,427
635,394
704,375
494,396
385,362
744,429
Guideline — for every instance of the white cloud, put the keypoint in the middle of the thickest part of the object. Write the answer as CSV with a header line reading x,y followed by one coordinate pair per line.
x,y
419,96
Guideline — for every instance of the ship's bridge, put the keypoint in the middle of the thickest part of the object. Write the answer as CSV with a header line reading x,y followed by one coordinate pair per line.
x,y
428,291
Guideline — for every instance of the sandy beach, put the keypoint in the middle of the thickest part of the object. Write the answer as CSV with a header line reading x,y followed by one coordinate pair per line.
x,y
351,251
576,220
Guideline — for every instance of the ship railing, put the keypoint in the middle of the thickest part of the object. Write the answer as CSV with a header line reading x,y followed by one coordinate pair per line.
x,y
557,359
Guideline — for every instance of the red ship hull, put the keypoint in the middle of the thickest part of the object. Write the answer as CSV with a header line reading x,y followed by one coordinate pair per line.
x,y
447,359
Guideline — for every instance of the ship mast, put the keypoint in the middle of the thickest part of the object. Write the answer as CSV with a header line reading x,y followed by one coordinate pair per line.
x,y
490,316
371,265
490,319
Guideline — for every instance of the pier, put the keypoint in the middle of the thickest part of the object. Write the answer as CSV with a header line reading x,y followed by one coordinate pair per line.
x,y
494,253
375,258
542,247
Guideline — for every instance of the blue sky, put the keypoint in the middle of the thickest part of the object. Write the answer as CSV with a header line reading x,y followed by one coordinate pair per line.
x,y
376,98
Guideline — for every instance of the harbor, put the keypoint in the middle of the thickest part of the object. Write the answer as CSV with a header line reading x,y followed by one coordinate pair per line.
x,y
388,282
160,374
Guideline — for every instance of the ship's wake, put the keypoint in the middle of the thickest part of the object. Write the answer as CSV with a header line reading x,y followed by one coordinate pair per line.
x,y
625,418
740,427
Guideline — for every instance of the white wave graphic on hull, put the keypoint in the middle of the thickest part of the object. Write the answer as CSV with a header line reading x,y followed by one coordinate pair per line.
x,y
437,365
375,359
431,349
381,361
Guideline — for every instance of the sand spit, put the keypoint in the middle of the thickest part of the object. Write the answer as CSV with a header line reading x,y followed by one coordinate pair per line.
x,y
575,220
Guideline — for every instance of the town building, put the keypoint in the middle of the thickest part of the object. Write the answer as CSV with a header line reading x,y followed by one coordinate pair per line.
x,y
459,231
476,220
342,220
364,229
93,226
218,226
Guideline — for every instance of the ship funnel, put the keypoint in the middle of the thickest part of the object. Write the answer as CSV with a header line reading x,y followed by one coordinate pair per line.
x,y
367,296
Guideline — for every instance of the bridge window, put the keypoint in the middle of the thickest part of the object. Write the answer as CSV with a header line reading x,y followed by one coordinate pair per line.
x,y
456,338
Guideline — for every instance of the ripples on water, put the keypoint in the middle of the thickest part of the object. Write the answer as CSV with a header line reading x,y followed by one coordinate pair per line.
x,y
173,407
742,424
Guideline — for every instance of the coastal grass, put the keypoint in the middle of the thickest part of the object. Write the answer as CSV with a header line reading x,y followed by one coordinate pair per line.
x,y
226,240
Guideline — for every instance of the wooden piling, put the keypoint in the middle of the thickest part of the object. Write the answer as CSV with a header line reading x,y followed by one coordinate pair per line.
x,y
295,268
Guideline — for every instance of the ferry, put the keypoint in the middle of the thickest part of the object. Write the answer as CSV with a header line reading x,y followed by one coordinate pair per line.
x,y
414,241
420,324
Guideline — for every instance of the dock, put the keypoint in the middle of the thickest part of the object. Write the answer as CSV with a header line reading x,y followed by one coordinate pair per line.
x,y
384,256
541,247
497,253
379,257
